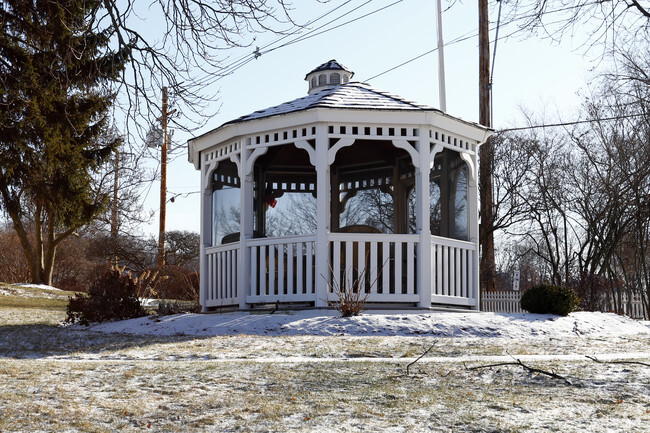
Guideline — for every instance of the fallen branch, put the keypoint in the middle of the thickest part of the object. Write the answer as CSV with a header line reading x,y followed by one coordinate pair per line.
x,y
525,367
419,357
593,358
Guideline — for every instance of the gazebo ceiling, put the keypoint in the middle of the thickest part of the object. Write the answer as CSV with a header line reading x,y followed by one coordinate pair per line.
x,y
362,153
284,157
368,152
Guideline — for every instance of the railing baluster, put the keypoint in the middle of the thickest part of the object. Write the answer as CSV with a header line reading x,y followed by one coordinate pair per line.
x,y
272,270
386,273
263,270
410,268
281,255
398,267
310,269
373,267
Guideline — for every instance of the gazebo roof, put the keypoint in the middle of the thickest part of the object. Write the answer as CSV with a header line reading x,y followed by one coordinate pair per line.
x,y
332,65
352,95
332,96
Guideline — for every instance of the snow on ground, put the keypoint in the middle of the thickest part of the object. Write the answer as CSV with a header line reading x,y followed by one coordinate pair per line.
x,y
381,323
30,290
38,286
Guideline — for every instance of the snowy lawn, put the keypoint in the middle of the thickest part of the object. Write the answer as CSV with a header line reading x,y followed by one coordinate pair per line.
x,y
313,371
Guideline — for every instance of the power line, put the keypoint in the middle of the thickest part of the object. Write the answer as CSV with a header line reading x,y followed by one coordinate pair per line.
x,y
312,34
575,122
248,57
242,61
474,33
455,41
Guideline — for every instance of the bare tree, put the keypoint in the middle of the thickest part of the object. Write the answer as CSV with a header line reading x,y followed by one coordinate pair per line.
x,y
124,180
190,54
582,192
604,22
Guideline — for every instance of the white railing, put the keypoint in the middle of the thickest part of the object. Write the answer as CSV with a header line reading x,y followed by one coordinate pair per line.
x,y
454,267
222,262
508,302
282,269
384,265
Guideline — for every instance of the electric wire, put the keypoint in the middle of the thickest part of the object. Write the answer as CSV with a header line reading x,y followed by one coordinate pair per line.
x,y
308,35
248,57
244,60
461,38
573,123
474,33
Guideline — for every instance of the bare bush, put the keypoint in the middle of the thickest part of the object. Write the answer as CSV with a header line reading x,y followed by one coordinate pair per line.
x,y
13,266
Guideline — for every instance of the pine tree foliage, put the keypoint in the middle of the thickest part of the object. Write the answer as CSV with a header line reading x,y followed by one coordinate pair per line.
x,y
56,76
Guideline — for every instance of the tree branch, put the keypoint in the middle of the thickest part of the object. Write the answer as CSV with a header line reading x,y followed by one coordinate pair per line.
x,y
524,366
593,358
419,357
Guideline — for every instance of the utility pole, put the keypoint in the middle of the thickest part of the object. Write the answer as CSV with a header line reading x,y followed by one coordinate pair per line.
x,y
486,154
163,180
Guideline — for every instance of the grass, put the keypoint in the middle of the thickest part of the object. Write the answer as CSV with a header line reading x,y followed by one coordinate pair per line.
x,y
56,378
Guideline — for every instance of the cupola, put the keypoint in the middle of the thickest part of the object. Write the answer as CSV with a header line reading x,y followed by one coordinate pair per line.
x,y
327,75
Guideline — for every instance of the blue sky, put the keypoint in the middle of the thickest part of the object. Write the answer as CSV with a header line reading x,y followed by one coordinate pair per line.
x,y
529,73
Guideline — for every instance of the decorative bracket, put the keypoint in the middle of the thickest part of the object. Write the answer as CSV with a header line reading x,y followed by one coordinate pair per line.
x,y
208,168
470,163
303,144
251,159
434,151
343,142
404,144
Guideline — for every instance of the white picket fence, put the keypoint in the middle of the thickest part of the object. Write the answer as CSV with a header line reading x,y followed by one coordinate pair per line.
x,y
508,302
501,302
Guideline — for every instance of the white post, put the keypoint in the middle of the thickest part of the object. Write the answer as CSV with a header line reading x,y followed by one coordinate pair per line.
x,y
441,61
472,212
246,212
206,234
423,219
323,219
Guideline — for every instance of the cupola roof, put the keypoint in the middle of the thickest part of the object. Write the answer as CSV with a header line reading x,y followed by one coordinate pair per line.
x,y
327,75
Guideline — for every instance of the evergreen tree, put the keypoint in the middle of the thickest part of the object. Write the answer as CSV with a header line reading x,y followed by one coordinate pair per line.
x,y
56,72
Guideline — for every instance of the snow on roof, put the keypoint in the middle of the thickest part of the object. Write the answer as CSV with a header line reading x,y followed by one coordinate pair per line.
x,y
328,66
353,95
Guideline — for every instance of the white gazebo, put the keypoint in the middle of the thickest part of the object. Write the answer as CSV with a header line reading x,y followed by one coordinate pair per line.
x,y
347,183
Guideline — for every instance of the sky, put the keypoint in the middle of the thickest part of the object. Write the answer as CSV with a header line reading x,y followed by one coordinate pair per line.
x,y
530,73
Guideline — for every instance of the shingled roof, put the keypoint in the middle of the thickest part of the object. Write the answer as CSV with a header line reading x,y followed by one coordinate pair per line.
x,y
332,65
352,95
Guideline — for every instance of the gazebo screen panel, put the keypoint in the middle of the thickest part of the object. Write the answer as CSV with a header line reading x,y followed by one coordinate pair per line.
x,y
226,203
448,199
365,199
285,192
369,190
461,221
289,203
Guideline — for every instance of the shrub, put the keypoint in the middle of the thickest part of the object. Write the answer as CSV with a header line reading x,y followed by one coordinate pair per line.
x,y
549,299
113,296
352,292
176,283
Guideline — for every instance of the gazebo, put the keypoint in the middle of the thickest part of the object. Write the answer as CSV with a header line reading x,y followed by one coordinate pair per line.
x,y
347,187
